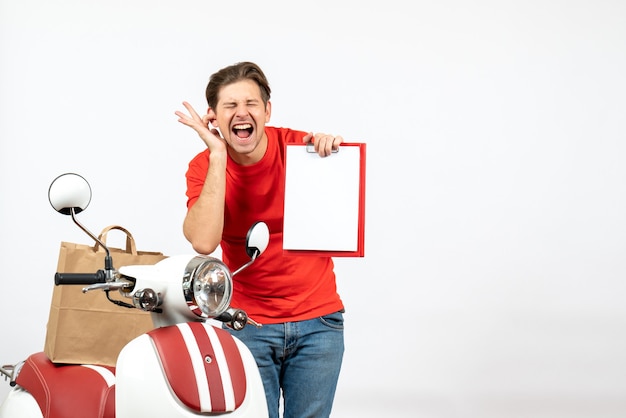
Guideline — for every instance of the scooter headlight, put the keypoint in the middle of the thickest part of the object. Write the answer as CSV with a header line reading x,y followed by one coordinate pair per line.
x,y
207,286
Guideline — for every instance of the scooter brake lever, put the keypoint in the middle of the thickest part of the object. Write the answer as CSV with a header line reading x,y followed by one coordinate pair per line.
x,y
253,322
106,286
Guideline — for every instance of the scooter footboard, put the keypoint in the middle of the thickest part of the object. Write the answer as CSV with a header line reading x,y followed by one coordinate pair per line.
x,y
188,369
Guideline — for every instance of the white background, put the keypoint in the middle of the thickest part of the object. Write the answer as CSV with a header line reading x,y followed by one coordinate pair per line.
x,y
493,283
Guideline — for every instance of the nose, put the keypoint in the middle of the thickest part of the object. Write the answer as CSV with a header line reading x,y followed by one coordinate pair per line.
x,y
241,110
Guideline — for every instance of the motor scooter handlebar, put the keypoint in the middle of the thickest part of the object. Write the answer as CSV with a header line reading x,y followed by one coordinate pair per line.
x,y
80,278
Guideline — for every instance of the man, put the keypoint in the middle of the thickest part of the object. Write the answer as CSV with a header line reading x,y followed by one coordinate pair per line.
x,y
239,180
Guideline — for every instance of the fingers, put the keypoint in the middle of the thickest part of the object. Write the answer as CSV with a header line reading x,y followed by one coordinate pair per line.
x,y
209,134
325,144
190,120
191,111
194,121
207,120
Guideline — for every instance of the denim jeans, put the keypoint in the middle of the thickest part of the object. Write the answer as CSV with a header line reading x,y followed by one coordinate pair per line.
x,y
303,359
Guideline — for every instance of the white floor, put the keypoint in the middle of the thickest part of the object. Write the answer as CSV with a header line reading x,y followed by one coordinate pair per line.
x,y
370,406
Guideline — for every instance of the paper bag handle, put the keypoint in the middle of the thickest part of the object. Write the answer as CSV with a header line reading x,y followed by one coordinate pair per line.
x,y
131,248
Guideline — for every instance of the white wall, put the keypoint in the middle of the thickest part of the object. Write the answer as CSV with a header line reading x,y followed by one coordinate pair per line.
x,y
493,283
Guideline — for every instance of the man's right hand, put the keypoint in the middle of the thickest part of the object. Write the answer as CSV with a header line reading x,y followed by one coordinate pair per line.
x,y
211,137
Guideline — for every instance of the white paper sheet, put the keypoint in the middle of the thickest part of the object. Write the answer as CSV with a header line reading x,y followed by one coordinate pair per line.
x,y
322,200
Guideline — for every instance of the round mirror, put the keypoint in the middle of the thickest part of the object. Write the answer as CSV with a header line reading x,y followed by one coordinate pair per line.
x,y
257,239
69,191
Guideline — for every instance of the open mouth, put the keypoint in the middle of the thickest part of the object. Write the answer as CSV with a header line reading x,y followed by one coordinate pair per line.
x,y
243,130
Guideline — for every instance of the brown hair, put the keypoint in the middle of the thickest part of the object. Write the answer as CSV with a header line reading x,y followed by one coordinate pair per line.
x,y
233,73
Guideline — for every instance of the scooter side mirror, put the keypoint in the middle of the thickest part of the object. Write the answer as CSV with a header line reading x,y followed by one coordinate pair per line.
x,y
70,194
69,191
257,239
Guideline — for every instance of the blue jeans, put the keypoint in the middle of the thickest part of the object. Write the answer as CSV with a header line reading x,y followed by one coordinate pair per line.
x,y
303,359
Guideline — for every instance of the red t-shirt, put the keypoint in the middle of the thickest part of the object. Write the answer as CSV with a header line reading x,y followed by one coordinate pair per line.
x,y
275,288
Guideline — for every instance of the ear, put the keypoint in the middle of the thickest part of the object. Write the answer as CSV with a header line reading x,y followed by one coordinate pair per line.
x,y
211,117
268,111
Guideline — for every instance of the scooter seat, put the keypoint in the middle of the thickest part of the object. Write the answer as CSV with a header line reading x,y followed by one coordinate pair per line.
x,y
69,390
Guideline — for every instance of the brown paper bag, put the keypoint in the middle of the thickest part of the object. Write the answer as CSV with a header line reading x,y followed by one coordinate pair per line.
x,y
86,328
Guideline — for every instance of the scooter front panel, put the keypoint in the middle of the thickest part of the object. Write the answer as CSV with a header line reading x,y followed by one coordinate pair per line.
x,y
203,366
144,389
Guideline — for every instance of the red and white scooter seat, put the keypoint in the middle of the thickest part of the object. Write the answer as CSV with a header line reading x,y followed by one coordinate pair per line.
x,y
68,390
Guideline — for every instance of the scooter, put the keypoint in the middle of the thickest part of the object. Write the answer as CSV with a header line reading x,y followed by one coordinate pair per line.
x,y
187,366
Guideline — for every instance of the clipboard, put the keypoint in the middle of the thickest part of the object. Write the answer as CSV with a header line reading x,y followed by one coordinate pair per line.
x,y
324,201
